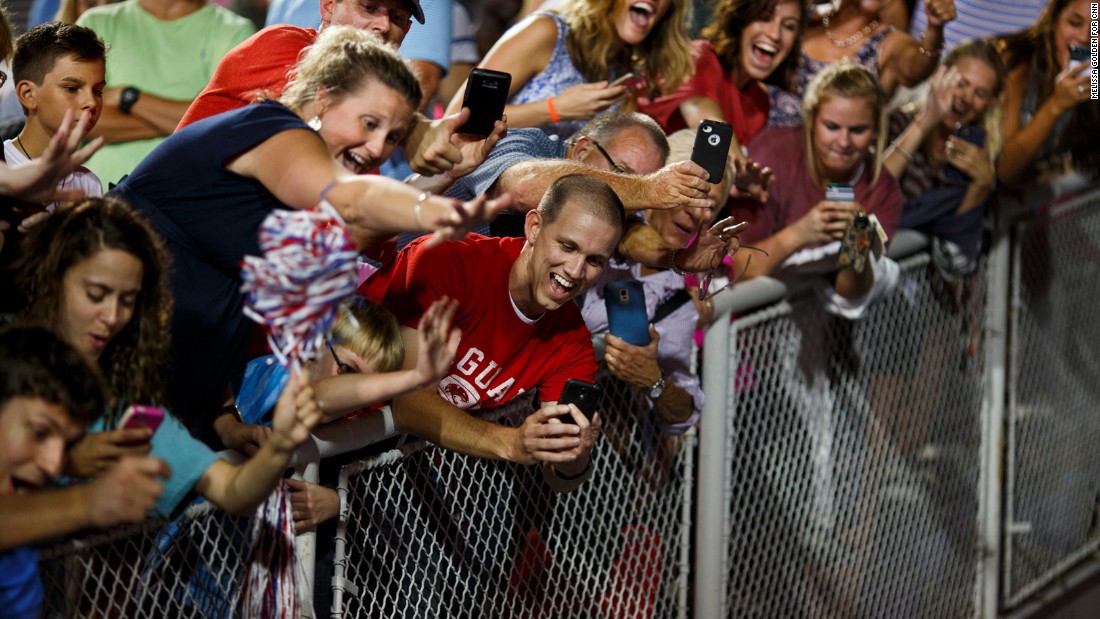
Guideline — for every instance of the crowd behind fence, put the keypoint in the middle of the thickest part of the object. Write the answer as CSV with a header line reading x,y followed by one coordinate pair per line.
x,y
936,459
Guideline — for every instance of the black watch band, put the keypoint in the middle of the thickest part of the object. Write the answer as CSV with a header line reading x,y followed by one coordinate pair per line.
x,y
127,99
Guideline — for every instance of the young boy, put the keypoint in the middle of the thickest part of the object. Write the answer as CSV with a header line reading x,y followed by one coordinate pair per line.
x,y
47,396
57,68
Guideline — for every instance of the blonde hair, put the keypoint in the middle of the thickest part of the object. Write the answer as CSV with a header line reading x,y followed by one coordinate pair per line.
x,y
341,61
665,55
680,145
985,51
370,331
843,80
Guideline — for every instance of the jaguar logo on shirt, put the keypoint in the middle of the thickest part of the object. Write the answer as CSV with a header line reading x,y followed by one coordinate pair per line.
x,y
457,388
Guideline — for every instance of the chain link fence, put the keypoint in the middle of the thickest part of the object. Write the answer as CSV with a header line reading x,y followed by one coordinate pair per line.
x,y
191,567
1053,459
850,482
852,454
429,533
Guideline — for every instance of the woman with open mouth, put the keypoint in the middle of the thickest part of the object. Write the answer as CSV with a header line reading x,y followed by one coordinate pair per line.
x,y
747,44
208,187
587,56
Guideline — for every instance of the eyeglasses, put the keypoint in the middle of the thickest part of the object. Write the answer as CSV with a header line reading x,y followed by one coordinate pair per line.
x,y
611,162
341,367
3,79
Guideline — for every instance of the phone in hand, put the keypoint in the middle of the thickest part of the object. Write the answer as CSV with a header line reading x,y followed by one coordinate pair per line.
x,y
855,244
139,416
626,311
1078,55
837,192
486,94
712,148
622,79
585,396
969,133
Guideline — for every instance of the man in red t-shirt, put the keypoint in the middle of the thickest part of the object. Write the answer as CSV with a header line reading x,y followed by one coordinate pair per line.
x,y
260,67
521,330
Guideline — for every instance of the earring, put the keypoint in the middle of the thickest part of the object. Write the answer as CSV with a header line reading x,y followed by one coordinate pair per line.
x,y
314,123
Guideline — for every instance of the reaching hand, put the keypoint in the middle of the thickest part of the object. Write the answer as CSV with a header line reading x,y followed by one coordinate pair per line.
x,y
544,438
941,94
750,179
683,183
711,247
458,218
296,413
311,504
126,492
438,341
583,101
435,153
98,451
475,150
36,180
940,11
246,438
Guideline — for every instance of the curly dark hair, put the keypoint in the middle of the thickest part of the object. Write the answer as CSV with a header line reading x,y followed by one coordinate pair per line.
x,y
134,361
729,21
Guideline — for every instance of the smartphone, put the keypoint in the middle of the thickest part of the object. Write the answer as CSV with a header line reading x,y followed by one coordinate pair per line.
x,y
970,133
486,95
138,416
855,244
836,192
712,147
585,396
626,313
622,79
1079,54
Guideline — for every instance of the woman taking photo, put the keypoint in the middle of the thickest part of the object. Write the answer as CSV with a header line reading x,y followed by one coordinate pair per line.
x,y
1050,118
563,63
841,144
944,151
208,187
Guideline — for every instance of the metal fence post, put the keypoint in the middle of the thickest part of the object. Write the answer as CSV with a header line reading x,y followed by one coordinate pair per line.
x,y
711,530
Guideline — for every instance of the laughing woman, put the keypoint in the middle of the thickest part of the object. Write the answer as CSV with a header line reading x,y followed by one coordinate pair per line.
x,y
563,63
208,187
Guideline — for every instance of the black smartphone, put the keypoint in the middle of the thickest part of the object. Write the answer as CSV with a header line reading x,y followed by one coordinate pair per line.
x,y
712,147
486,95
970,133
585,396
626,314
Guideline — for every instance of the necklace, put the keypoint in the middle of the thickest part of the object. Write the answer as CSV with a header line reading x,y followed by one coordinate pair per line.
x,y
866,30
19,141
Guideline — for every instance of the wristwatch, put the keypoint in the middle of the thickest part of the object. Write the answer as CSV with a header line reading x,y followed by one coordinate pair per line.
x,y
658,388
127,99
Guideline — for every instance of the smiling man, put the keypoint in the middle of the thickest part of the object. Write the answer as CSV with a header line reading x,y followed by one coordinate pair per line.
x,y
521,331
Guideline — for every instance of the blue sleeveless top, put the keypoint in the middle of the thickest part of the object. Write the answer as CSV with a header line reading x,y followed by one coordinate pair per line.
x,y
560,73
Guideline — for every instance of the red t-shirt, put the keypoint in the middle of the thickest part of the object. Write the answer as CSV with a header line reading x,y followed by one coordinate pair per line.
x,y
746,109
502,354
257,68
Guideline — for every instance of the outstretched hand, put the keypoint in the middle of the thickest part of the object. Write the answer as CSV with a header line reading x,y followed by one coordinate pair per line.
x,y
436,152
438,341
475,150
296,413
36,180
683,183
463,217
711,246
750,179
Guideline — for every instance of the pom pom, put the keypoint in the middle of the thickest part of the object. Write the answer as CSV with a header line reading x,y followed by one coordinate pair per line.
x,y
308,267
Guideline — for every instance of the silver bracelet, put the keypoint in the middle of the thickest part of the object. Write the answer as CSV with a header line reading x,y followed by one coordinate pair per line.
x,y
672,263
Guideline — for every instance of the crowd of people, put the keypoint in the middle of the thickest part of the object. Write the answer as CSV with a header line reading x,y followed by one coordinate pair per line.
x,y
156,135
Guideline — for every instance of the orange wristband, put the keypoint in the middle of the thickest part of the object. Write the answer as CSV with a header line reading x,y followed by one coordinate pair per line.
x,y
553,111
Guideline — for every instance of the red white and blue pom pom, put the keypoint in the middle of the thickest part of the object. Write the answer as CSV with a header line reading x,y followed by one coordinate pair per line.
x,y
308,268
